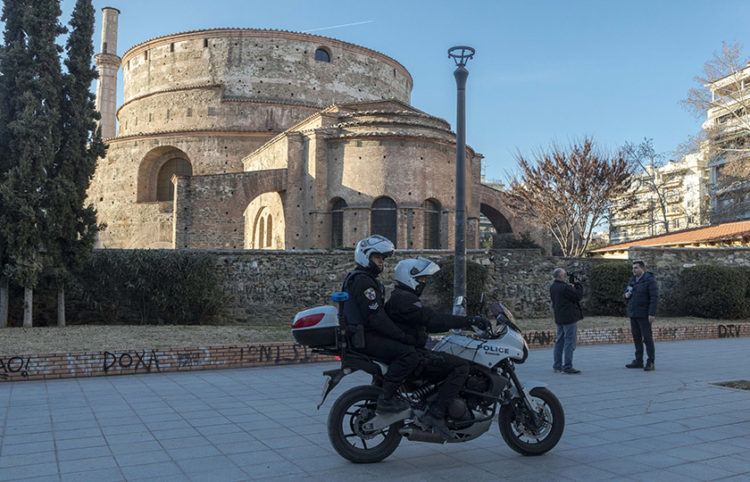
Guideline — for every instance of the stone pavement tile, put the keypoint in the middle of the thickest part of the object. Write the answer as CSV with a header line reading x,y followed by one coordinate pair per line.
x,y
135,438
287,442
29,458
723,447
208,421
132,427
11,440
230,448
77,443
256,458
83,453
225,428
620,466
77,433
158,471
237,437
175,433
256,425
178,443
660,475
228,473
166,424
700,471
28,471
272,469
102,475
128,448
87,464
734,463
295,453
690,453
28,448
141,458
28,428
210,464
186,453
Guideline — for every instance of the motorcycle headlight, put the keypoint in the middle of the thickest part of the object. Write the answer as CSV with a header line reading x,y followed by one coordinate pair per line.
x,y
525,351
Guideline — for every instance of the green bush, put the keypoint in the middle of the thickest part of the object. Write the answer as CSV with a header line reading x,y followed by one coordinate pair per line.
x,y
148,287
476,277
513,241
608,281
714,292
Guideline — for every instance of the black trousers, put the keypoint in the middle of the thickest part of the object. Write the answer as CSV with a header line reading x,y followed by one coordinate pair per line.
x,y
641,329
401,359
453,370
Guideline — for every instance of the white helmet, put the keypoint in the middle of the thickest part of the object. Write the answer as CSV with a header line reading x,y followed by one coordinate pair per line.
x,y
374,244
408,270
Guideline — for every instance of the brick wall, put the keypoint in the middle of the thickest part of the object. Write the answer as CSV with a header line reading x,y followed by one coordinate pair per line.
x,y
128,362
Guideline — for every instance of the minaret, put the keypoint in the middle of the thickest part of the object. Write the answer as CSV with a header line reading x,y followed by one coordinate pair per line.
x,y
108,63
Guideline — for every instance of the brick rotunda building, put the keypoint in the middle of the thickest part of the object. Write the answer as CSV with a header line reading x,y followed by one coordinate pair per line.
x,y
264,139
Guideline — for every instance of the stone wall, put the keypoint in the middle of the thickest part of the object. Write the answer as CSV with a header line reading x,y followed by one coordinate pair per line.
x,y
261,284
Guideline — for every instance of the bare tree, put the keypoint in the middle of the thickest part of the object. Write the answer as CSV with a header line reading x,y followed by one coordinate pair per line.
x,y
723,96
644,161
568,191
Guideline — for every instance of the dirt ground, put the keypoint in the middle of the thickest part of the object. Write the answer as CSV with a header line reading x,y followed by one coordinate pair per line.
x,y
17,341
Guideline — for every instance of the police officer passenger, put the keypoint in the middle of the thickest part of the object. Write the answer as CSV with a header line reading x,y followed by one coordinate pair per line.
x,y
374,333
417,320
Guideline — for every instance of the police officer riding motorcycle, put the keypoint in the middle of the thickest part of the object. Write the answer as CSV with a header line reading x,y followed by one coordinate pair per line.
x,y
371,331
417,320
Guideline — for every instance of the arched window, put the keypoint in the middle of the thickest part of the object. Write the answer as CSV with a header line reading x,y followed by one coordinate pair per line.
x,y
383,218
269,231
322,55
261,233
337,223
431,224
164,186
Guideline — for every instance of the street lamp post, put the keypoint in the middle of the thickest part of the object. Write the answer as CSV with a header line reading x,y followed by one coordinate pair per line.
x,y
461,55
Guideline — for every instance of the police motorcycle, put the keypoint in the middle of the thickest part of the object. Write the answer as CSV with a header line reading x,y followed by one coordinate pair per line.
x,y
530,417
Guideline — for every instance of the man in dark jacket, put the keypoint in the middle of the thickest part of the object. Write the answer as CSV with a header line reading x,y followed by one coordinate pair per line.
x,y
642,295
374,333
566,303
417,320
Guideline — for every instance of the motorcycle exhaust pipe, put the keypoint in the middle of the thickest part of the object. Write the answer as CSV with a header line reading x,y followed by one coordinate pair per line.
x,y
421,436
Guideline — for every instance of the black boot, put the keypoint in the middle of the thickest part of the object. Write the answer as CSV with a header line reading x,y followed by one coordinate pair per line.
x,y
434,419
387,401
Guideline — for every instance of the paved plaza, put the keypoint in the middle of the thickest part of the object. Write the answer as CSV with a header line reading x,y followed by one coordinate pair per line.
x,y
246,424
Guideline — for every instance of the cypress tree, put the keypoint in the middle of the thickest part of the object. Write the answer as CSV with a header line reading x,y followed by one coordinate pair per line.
x,y
14,61
31,135
72,225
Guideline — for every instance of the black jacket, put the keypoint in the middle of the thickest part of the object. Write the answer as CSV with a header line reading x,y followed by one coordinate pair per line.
x,y
416,319
566,302
368,297
642,303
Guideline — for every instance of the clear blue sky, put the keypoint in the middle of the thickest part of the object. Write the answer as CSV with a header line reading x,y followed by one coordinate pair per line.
x,y
545,70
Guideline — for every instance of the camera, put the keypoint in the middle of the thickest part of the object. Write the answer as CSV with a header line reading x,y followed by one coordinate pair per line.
x,y
577,277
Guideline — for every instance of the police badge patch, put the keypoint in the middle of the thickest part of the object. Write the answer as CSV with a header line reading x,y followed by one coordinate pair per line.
x,y
370,294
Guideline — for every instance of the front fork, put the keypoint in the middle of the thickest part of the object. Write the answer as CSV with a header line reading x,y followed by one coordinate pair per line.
x,y
525,394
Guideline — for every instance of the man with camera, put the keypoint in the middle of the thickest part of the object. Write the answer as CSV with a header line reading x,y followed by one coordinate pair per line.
x,y
566,303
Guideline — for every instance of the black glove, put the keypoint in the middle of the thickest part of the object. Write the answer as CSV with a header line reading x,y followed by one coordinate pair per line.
x,y
478,321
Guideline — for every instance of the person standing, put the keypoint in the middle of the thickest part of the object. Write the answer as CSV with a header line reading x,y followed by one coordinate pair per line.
x,y
642,294
566,303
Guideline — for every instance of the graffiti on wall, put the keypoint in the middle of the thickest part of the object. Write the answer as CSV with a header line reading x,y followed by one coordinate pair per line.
x,y
539,337
130,360
729,331
272,354
14,364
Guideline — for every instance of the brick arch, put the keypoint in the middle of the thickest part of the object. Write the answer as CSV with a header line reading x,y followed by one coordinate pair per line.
x,y
149,167
211,209
492,205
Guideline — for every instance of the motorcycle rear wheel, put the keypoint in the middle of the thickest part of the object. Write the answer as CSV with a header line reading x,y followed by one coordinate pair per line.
x,y
345,427
528,441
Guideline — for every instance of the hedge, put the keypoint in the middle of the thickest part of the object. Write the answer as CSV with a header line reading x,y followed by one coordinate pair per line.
x,y
476,277
712,292
608,281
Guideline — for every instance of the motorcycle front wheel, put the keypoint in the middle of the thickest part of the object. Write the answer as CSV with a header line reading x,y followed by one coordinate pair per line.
x,y
347,434
528,434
